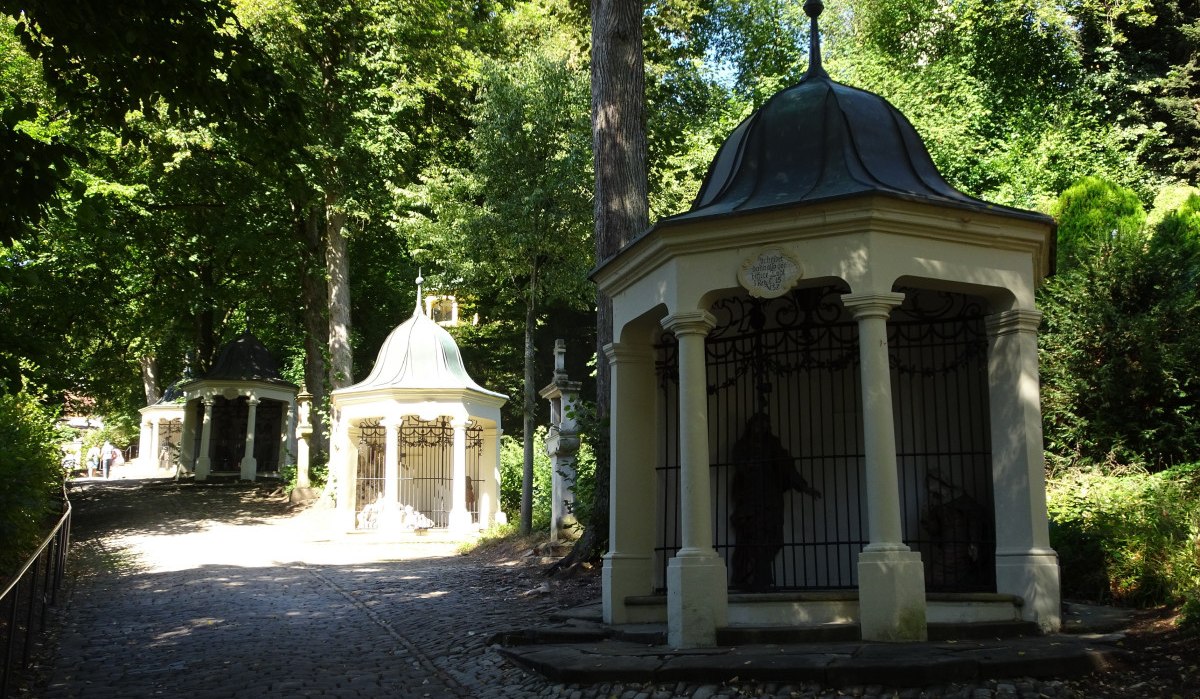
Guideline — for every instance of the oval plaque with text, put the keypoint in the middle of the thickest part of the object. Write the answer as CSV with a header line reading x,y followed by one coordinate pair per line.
x,y
769,274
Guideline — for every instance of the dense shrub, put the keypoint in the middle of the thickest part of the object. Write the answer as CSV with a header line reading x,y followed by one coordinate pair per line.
x,y
1128,538
31,474
1120,348
512,464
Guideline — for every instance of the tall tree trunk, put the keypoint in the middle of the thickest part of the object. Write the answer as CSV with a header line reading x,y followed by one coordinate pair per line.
x,y
529,406
337,267
205,323
621,206
150,383
316,328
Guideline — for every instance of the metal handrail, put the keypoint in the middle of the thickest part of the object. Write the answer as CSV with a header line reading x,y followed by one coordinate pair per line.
x,y
49,563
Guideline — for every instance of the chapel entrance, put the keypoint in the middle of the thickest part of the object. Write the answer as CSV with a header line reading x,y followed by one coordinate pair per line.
x,y
787,456
425,451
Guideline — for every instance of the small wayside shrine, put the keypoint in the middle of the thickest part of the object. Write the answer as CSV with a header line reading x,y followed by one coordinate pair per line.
x,y
415,445
825,401
161,433
240,417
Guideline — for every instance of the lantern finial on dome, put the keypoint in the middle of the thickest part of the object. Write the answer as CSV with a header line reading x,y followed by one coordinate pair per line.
x,y
813,9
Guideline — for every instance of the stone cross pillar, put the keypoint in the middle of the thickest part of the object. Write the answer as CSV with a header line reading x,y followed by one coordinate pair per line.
x,y
697,599
562,442
249,464
891,579
304,430
203,460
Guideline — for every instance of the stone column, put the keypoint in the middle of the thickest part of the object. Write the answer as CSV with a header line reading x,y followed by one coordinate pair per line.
x,y
633,435
489,472
249,464
697,598
203,460
389,516
460,517
891,579
304,432
155,445
1026,566
146,437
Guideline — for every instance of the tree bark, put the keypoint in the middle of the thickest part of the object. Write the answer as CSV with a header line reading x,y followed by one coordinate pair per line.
x,y
621,206
316,328
150,383
337,267
528,407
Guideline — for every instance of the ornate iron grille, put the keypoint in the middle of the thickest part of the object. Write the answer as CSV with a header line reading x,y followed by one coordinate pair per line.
x,y
938,345
787,370
369,485
170,434
426,449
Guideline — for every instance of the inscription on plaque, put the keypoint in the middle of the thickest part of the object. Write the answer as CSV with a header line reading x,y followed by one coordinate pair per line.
x,y
769,274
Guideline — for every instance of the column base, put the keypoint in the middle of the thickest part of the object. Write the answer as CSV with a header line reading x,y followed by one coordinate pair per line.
x,y
624,575
697,600
1034,577
891,596
459,520
249,467
203,468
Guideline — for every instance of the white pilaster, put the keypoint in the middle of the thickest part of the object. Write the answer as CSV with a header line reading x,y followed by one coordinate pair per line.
x,y
249,465
633,436
1025,564
697,599
891,579
460,517
489,473
203,460
146,439
151,459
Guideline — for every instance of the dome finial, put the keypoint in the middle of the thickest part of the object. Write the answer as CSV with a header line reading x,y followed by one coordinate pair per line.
x,y
420,281
813,9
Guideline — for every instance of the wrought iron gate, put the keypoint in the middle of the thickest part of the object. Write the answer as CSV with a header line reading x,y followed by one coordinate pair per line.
x,y
369,483
785,440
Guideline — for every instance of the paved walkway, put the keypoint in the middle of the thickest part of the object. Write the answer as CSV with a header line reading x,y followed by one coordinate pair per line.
x,y
208,591
198,591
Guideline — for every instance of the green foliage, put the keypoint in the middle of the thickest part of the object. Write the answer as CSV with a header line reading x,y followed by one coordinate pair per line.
x,y
512,464
1120,347
1130,538
31,474
1092,215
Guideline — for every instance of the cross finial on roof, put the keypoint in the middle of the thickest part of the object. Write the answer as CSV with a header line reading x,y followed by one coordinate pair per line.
x,y
813,9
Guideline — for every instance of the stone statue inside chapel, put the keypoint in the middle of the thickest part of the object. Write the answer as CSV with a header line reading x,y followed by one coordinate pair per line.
x,y
764,472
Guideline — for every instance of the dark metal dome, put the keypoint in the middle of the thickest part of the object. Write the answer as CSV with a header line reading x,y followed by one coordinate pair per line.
x,y
821,140
245,359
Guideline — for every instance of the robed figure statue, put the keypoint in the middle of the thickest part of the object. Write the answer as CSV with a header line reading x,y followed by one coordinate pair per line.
x,y
763,473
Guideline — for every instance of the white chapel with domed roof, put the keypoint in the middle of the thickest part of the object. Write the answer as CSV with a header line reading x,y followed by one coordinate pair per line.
x,y
415,445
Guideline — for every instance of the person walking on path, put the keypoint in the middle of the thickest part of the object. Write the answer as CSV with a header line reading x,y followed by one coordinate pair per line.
x,y
93,460
106,457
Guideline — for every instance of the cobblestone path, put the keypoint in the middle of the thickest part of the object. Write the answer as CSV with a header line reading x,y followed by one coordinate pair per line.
x,y
209,591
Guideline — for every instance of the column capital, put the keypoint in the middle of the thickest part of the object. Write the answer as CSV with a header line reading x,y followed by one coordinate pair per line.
x,y
208,401
252,399
1018,320
626,353
459,423
871,305
690,323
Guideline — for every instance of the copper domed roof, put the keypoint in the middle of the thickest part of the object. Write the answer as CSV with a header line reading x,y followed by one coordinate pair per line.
x,y
821,140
